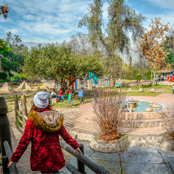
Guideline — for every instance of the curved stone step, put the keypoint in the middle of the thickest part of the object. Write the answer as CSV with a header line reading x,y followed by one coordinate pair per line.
x,y
143,115
143,123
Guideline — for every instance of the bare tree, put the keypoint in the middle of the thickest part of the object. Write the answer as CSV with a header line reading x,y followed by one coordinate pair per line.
x,y
108,111
169,121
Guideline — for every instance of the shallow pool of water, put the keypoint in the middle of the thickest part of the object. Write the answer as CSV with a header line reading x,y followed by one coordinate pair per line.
x,y
143,104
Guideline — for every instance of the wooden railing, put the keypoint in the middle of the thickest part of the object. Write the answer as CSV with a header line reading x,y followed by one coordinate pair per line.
x,y
12,169
5,139
81,159
21,116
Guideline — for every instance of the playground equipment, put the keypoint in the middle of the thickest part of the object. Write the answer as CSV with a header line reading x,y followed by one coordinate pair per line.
x,y
171,77
92,77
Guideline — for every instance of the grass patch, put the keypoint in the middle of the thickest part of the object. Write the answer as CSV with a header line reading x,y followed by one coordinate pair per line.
x,y
2,92
76,102
145,93
18,123
8,99
147,88
123,135
2,81
11,107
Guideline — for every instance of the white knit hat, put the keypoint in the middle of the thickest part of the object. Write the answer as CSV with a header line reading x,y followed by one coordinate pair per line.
x,y
41,99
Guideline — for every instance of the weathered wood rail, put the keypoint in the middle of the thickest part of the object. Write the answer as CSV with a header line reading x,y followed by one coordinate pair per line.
x,y
21,117
81,159
5,139
94,167
12,168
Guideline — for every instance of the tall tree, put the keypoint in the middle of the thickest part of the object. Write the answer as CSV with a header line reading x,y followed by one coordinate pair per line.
x,y
3,10
151,44
81,46
117,64
168,45
114,34
17,52
59,63
14,42
130,62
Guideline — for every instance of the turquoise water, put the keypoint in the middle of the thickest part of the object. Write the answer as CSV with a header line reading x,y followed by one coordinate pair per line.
x,y
143,104
116,84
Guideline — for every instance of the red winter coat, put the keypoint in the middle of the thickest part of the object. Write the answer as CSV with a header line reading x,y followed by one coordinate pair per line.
x,y
46,153
60,93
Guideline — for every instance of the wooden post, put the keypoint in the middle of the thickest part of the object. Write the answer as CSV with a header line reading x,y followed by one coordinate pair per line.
x,y
89,84
5,163
4,125
50,101
78,84
16,105
81,166
24,110
94,167
8,151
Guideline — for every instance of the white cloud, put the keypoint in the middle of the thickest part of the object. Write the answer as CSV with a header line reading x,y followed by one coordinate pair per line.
x,y
165,18
50,19
14,31
169,4
7,20
29,17
56,20
105,10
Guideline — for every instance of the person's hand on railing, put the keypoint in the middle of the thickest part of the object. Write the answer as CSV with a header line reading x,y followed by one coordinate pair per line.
x,y
10,163
78,150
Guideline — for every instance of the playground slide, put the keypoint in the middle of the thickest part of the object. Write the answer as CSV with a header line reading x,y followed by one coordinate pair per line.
x,y
171,79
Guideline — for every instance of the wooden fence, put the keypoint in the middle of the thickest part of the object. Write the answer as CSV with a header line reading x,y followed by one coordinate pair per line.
x,y
6,159
21,116
81,159
5,139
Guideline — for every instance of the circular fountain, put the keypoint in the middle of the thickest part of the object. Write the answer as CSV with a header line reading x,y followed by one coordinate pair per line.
x,y
142,114
144,106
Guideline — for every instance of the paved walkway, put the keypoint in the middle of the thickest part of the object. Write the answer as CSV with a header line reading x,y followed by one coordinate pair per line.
x,y
83,117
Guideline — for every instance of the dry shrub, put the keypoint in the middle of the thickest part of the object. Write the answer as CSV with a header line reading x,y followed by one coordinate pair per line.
x,y
169,121
108,111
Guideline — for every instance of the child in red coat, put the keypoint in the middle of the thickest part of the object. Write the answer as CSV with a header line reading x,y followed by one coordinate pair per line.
x,y
43,128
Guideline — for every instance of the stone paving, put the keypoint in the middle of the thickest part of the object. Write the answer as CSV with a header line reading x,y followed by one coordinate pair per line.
x,y
83,117
136,159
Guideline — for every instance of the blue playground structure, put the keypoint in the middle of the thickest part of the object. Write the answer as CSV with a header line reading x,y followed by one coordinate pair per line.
x,y
92,77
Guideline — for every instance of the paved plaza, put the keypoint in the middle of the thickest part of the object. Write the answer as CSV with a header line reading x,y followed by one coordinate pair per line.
x,y
136,159
83,117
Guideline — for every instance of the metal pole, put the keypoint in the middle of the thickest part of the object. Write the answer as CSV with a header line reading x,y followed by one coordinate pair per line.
x,y
81,166
4,165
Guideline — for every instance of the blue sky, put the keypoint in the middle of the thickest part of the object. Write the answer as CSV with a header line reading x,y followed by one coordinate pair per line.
x,y
51,21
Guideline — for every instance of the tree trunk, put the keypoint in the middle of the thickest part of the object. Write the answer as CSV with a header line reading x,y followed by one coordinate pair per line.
x,y
153,79
31,83
112,79
69,84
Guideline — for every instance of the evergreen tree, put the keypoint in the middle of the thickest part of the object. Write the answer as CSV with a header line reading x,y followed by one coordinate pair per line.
x,y
113,35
